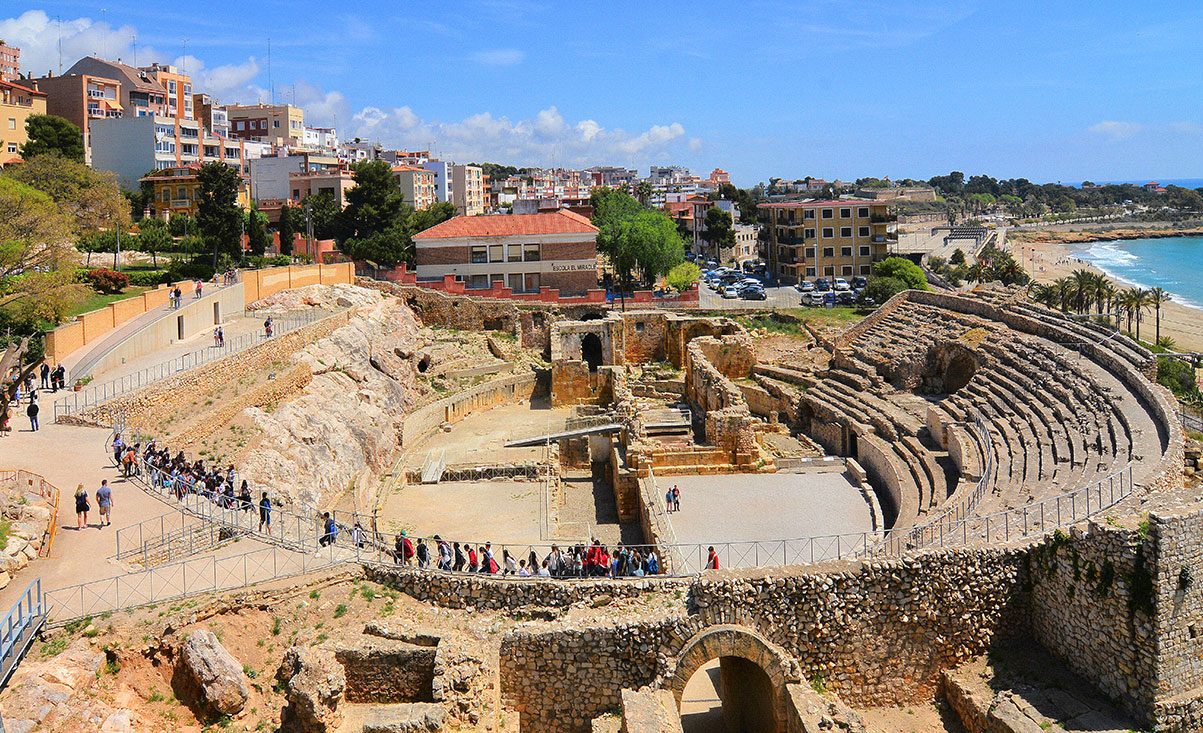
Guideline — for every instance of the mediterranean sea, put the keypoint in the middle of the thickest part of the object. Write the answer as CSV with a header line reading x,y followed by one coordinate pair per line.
x,y
1174,264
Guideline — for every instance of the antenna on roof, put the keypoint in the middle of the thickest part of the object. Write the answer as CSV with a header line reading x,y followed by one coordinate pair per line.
x,y
270,87
134,44
59,22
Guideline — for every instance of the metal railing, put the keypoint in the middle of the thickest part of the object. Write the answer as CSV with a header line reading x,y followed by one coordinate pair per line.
x,y
19,627
49,493
93,395
181,579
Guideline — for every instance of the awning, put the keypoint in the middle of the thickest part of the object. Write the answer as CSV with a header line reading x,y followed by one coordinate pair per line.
x,y
112,104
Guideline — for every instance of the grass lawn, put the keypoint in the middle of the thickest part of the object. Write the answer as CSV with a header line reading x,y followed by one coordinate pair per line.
x,y
841,315
96,301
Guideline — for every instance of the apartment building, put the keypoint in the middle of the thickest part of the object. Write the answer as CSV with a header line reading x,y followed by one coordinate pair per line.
x,y
444,188
279,124
270,175
81,99
468,189
141,94
177,191
17,103
178,87
131,146
416,184
333,181
10,62
520,251
324,138
611,177
842,238
211,115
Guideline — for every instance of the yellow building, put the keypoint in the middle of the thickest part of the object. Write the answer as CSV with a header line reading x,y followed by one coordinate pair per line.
x,y
805,240
177,191
417,185
17,103
279,124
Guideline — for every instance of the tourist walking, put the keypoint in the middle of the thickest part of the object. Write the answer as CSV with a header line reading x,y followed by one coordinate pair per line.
x,y
117,446
329,530
676,499
105,503
199,285
473,560
460,560
407,549
244,497
398,550
58,378
267,327
81,507
668,501
32,413
712,559
511,567
265,514
423,553
44,372
357,535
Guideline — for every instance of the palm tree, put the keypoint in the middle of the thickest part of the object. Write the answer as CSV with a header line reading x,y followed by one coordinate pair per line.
x,y
1066,292
1084,288
1140,301
1125,300
1158,297
643,192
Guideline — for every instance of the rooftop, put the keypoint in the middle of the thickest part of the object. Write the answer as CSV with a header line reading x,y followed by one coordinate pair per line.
x,y
510,225
808,204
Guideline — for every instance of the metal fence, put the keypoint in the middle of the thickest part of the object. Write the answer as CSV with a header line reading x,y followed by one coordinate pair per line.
x,y
96,394
1191,417
181,579
18,628
50,494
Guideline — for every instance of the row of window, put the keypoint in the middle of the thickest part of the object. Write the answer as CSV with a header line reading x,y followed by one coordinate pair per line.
x,y
865,251
830,271
845,213
482,254
519,282
829,232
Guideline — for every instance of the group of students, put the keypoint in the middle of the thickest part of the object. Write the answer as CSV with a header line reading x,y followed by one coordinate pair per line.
x,y
178,477
579,561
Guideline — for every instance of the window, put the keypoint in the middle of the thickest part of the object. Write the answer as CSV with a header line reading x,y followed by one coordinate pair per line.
x,y
179,192
845,213
516,282
846,270
808,214
810,272
480,255
171,86
238,125
479,281
810,253
12,123
862,231
829,271
531,252
863,212
846,232
829,251
276,124
828,232
809,234
495,253
781,270
515,254
12,148
866,269
864,250
828,213
845,251
640,326
296,194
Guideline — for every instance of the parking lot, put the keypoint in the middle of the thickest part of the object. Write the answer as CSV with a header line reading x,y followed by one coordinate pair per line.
x,y
779,297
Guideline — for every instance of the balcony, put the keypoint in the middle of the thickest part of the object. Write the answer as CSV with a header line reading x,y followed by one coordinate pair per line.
x,y
786,223
883,218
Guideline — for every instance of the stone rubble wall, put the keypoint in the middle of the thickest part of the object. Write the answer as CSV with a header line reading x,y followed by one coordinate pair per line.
x,y
380,671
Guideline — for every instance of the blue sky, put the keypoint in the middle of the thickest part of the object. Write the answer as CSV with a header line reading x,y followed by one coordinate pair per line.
x,y
1046,90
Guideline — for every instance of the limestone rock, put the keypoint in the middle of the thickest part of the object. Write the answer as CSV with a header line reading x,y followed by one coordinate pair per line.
x,y
315,684
405,718
216,672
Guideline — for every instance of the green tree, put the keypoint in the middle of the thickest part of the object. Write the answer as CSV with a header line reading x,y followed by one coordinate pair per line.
x,y
256,231
181,224
882,288
217,214
375,203
289,225
324,215
385,248
639,242
1158,298
432,215
36,270
719,233
902,269
643,192
90,199
958,257
681,277
153,239
51,134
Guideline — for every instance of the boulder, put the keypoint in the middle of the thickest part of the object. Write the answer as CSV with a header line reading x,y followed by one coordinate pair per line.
x,y
314,686
217,674
418,717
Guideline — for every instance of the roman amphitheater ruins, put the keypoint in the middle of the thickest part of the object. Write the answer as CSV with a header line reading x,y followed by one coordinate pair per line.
x,y
963,510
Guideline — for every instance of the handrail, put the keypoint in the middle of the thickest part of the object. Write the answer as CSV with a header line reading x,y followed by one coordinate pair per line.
x,y
29,610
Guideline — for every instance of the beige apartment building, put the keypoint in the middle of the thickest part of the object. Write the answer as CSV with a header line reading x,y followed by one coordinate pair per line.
x,y
335,181
468,189
805,240
416,184
279,124
17,103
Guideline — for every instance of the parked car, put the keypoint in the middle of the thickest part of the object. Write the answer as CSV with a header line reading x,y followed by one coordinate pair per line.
x,y
822,284
805,286
841,284
753,294
846,297
730,291
859,283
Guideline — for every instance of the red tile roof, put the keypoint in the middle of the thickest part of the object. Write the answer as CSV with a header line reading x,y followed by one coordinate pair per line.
x,y
510,225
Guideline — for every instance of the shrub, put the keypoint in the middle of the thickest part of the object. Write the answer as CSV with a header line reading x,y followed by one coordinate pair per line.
x,y
107,281
149,279
902,269
881,289
682,276
190,271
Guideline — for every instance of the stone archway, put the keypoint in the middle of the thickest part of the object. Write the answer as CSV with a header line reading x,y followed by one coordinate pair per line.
x,y
591,351
748,655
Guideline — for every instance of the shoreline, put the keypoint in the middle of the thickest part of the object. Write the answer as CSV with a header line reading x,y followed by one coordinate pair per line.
x,y
1047,261
1101,235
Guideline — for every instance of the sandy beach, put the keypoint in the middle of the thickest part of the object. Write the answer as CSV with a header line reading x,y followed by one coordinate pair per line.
x,y
1047,261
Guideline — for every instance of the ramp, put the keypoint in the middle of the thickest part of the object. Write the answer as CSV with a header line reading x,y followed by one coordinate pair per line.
x,y
563,435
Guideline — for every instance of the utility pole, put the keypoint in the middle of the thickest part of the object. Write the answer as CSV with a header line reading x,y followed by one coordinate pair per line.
x,y
117,252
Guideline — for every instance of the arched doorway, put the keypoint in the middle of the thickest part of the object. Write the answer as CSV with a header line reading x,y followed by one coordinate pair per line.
x,y
733,678
591,350
729,695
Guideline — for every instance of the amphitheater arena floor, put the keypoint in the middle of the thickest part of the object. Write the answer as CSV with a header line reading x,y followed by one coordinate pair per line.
x,y
746,507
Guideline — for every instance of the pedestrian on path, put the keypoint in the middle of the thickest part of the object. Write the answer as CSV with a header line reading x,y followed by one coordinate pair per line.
x,y
329,530
32,412
81,507
712,559
267,327
117,446
104,501
668,501
199,285
265,513
676,499
44,372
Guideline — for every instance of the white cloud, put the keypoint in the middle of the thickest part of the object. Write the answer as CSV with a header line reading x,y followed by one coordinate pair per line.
x,y
37,35
542,139
228,83
322,109
695,144
499,57
1114,130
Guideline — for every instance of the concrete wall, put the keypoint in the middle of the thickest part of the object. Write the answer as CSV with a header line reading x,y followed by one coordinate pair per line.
x,y
505,391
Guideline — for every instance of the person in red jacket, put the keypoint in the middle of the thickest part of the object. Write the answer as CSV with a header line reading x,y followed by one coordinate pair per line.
x,y
712,559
